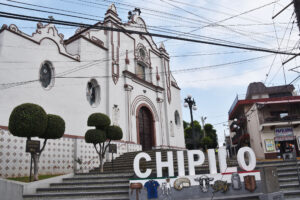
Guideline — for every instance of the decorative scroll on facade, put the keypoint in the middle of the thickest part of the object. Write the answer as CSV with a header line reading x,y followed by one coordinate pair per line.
x,y
42,32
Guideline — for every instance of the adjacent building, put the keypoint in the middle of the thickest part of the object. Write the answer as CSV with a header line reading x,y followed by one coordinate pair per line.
x,y
267,119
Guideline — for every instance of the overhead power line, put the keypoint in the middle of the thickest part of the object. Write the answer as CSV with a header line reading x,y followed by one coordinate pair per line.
x,y
63,75
179,18
47,7
165,30
101,27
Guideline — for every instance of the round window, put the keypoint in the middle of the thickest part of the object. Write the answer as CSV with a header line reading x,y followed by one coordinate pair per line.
x,y
93,93
47,75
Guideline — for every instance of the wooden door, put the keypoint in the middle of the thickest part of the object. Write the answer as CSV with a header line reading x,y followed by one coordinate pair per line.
x,y
145,128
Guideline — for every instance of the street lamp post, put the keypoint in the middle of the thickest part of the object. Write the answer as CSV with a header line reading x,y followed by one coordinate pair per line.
x,y
189,102
203,124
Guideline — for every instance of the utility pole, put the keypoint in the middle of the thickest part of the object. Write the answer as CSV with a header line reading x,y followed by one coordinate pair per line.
x,y
203,124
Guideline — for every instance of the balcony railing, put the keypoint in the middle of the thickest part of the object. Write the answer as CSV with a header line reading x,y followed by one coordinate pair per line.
x,y
284,119
237,98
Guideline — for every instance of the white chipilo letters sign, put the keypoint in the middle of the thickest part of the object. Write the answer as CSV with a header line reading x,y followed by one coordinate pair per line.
x,y
136,165
194,163
241,160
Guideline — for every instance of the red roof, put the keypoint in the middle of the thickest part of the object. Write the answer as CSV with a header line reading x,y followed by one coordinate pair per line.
x,y
240,103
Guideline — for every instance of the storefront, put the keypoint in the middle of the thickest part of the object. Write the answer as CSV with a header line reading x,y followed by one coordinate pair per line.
x,y
284,145
285,142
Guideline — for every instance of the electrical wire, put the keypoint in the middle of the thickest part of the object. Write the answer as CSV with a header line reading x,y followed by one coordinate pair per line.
x,y
101,27
164,30
81,13
63,74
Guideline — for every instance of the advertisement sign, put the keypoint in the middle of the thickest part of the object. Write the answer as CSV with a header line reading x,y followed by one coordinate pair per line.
x,y
270,145
112,148
32,146
284,132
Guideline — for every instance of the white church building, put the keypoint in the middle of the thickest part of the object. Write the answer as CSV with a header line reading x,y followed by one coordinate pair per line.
x,y
126,76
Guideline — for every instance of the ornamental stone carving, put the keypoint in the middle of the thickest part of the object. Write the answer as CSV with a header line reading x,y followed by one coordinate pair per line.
x,y
141,54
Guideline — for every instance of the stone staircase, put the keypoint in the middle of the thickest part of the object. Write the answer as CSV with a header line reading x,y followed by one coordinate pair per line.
x,y
124,163
107,186
287,177
114,182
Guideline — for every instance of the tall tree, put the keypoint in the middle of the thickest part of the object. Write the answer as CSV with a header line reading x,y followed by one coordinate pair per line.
x,y
102,135
188,135
210,141
30,120
212,134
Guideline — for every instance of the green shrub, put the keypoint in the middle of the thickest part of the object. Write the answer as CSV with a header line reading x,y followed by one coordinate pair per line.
x,y
114,133
95,136
55,127
28,120
99,120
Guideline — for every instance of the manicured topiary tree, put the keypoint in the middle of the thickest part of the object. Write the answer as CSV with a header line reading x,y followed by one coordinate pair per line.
x,y
102,135
30,120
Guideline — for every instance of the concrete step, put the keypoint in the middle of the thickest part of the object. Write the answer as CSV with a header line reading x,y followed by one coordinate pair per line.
x,y
93,179
290,186
291,194
288,179
287,168
80,189
95,183
103,175
285,174
254,196
83,195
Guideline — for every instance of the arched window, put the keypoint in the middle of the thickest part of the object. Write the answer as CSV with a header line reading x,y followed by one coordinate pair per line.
x,y
93,93
142,68
47,75
141,71
177,118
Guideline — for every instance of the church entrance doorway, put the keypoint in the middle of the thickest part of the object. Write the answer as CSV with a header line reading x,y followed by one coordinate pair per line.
x,y
145,128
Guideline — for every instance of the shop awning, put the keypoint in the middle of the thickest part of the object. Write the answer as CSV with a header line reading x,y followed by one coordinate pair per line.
x,y
284,138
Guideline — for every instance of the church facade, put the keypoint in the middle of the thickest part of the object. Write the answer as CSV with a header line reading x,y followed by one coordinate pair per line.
x,y
126,76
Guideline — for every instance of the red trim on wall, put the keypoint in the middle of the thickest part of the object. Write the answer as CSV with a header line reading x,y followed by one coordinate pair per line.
x,y
174,84
73,136
87,39
78,136
135,77
241,172
4,127
115,58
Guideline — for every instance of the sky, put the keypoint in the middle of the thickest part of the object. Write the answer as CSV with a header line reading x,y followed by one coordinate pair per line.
x,y
213,75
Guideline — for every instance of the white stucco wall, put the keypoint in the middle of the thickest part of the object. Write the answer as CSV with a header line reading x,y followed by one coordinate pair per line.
x,y
254,133
76,63
57,158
